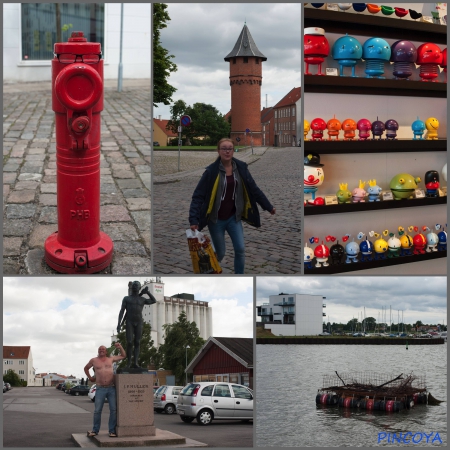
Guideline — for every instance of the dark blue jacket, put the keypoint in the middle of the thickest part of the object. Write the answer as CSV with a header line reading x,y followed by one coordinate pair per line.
x,y
205,192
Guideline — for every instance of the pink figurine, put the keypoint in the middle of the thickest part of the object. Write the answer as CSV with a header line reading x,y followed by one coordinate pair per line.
x,y
359,194
364,126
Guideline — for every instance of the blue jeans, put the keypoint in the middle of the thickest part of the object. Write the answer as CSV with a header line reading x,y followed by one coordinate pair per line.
x,y
236,233
100,395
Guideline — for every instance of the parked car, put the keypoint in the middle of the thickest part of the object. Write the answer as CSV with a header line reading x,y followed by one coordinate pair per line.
x,y
80,389
165,399
8,386
91,393
59,386
155,388
156,144
207,401
4,387
325,334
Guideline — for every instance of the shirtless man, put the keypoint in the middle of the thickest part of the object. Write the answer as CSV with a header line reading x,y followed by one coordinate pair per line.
x,y
104,379
133,305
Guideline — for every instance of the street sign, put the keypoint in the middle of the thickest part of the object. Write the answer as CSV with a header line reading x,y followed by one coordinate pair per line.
x,y
247,130
238,139
180,129
180,142
185,121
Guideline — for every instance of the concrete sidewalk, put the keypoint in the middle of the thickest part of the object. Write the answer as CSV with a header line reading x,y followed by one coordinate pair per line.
x,y
29,176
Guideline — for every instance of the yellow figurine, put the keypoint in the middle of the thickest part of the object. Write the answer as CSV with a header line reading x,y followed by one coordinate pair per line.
x,y
306,128
432,125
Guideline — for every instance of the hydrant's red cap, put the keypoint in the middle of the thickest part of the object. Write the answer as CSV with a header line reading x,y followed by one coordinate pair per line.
x,y
77,44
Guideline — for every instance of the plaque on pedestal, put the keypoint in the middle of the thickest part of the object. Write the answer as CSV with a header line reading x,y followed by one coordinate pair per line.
x,y
135,415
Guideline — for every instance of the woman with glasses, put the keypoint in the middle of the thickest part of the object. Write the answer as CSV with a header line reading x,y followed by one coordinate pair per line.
x,y
225,195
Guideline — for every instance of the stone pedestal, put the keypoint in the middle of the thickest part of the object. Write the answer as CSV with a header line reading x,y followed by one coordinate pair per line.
x,y
135,415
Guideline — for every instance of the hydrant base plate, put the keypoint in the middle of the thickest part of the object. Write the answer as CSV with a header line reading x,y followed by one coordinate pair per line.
x,y
80,260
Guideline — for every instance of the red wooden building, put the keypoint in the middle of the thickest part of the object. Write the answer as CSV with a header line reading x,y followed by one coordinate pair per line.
x,y
224,359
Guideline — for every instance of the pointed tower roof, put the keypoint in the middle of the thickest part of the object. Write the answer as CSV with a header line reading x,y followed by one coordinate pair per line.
x,y
245,46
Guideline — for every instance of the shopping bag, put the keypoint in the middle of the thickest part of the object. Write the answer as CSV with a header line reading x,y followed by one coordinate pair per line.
x,y
204,259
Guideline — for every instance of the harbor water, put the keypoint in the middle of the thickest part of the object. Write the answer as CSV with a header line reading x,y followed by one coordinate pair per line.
x,y
288,377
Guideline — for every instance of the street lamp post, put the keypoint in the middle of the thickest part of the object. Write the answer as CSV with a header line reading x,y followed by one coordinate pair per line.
x,y
187,346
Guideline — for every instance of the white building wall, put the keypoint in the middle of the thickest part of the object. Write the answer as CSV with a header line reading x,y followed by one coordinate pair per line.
x,y
281,330
28,374
164,312
136,50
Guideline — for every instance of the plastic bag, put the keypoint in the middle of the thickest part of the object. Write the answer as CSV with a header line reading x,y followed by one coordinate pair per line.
x,y
204,259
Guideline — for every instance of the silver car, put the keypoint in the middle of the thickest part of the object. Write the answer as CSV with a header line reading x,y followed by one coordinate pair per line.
x,y
165,399
206,401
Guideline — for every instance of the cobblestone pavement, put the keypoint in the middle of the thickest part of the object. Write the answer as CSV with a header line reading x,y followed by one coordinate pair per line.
x,y
29,176
275,248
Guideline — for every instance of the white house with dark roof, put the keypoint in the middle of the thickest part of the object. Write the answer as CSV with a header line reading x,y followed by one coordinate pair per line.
x,y
20,360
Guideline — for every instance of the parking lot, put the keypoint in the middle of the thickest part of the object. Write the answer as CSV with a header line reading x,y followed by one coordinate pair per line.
x,y
46,417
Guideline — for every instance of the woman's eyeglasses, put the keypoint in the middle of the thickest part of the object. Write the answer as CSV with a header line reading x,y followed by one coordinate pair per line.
x,y
228,149
70,58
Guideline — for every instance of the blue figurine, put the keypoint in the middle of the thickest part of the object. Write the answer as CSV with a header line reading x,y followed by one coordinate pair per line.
x,y
366,248
418,127
351,250
347,50
442,244
375,52
374,191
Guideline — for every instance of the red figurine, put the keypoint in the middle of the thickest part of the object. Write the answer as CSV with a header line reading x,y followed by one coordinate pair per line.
x,y
429,56
318,125
316,48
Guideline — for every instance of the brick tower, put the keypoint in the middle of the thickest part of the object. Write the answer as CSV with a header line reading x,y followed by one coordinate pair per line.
x,y
245,81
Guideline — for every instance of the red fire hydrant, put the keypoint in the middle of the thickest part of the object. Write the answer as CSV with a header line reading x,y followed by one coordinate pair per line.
x,y
77,99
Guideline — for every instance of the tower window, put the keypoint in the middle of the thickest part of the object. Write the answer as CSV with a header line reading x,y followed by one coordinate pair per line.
x,y
245,59
234,60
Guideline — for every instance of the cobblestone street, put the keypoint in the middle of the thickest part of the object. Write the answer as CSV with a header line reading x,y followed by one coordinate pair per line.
x,y
275,248
29,176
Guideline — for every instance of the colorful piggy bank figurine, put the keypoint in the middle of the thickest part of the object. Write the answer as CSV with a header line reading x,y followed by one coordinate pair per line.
x,y
316,48
366,248
374,191
432,183
403,55
321,252
343,194
318,125
333,127
336,253
364,127
419,243
375,52
429,57
403,185
313,175
351,250
432,242
442,244
380,247
349,127
308,256
418,127
391,127
406,243
359,194
347,51
306,128
432,125
394,246
377,128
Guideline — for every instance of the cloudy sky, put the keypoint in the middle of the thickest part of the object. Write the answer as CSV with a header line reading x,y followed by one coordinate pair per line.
x,y
420,298
66,319
200,35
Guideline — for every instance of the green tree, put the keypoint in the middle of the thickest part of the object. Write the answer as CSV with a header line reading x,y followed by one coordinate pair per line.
x,y
351,325
207,122
176,337
12,378
370,323
148,353
163,65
